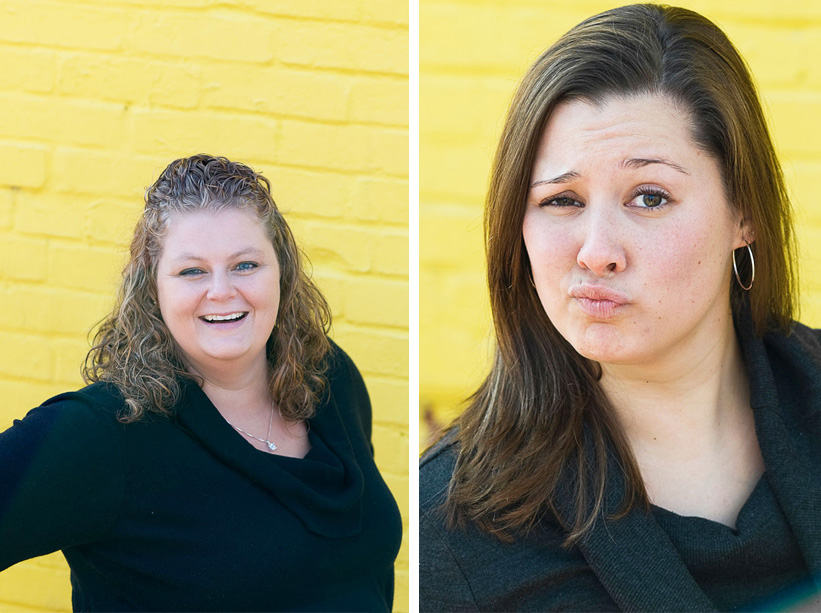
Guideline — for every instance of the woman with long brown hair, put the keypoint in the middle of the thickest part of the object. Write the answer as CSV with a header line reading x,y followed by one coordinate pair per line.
x,y
220,458
649,434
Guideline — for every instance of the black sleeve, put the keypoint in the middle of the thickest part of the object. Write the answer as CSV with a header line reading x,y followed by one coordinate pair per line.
x,y
442,584
61,478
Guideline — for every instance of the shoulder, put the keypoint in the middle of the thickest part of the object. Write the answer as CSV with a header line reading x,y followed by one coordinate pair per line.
x,y
62,479
341,368
802,344
85,412
78,429
806,340
444,581
435,471
795,363
795,357
344,378
346,389
465,569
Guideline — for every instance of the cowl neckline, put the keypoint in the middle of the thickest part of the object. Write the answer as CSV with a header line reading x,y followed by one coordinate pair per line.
x,y
324,489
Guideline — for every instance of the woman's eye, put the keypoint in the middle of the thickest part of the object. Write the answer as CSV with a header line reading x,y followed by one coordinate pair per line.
x,y
561,201
650,199
190,272
244,266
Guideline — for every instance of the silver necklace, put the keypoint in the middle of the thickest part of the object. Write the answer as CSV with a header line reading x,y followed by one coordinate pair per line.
x,y
267,440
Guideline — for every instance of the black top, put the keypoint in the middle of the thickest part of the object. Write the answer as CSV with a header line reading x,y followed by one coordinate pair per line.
x,y
650,561
183,514
757,566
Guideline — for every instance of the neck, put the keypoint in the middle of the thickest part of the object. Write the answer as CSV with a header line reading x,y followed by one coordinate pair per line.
x,y
238,391
685,400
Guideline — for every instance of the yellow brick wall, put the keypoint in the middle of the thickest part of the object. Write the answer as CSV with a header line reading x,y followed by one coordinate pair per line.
x,y
97,96
472,54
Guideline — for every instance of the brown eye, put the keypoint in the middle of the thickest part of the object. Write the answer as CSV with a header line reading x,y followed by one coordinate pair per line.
x,y
561,201
648,198
651,200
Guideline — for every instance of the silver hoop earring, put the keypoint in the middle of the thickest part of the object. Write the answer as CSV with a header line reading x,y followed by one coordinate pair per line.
x,y
746,288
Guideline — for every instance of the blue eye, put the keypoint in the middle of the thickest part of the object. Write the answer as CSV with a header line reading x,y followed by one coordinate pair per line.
x,y
190,272
245,266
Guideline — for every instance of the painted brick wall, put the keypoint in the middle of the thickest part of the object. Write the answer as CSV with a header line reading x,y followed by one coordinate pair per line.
x,y
472,54
96,97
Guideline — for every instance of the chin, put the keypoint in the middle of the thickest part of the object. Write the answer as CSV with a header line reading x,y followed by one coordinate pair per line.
x,y
601,343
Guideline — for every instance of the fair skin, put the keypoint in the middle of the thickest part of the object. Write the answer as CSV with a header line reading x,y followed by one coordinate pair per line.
x,y
218,292
630,235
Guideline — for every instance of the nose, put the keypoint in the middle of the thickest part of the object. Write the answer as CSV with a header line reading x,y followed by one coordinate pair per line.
x,y
220,287
602,249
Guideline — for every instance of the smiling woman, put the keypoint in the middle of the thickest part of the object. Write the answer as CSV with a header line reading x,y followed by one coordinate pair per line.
x,y
648,435
221,459
218,288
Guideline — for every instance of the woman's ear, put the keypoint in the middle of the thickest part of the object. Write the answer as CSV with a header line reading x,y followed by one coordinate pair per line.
x,y
746,233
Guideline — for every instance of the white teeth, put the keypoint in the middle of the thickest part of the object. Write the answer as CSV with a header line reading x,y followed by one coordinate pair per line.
x,y
230,317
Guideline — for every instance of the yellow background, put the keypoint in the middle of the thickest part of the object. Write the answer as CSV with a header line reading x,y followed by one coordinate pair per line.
x,y
97,97
472,54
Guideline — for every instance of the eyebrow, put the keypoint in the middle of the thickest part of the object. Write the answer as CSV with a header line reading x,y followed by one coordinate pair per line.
x,y
642,162
564,178
628,163
192,256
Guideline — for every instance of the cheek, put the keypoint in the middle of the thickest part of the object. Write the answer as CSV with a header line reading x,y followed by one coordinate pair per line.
x,y
176,302
687,258
263,294
549,250
683,275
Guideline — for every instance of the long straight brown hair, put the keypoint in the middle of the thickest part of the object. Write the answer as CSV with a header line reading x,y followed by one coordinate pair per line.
x,y
541,420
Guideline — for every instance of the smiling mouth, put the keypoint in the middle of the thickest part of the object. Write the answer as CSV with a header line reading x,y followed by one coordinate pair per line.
x,y
221,319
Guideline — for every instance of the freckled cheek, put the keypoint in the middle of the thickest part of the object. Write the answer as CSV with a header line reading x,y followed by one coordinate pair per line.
x,y
683,264
552,254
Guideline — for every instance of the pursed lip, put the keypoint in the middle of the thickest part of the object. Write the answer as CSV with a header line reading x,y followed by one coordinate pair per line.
x,y
598,301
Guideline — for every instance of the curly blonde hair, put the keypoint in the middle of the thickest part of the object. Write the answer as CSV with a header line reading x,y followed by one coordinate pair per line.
x,y
133,348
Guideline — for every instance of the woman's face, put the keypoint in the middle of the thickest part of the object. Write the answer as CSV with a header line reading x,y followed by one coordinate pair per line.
x,y
629,231
218,289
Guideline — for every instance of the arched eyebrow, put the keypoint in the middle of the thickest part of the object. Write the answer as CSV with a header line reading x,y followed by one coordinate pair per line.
x,y
627,163
642,162
560,179
188,256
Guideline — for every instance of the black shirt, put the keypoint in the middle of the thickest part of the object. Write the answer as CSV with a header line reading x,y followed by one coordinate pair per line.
x,y
757,566
641,562
183,514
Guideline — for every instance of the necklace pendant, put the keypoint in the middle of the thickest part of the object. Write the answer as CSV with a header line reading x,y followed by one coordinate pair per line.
x,y
271,445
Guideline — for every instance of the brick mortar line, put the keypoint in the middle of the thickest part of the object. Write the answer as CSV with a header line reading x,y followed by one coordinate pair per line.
x,y
130,112
174,62
121,8
348,222
345,223
377,174
272,62
390,332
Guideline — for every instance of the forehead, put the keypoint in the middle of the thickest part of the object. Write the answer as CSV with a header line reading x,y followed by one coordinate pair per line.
x,y
212,230
580,132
